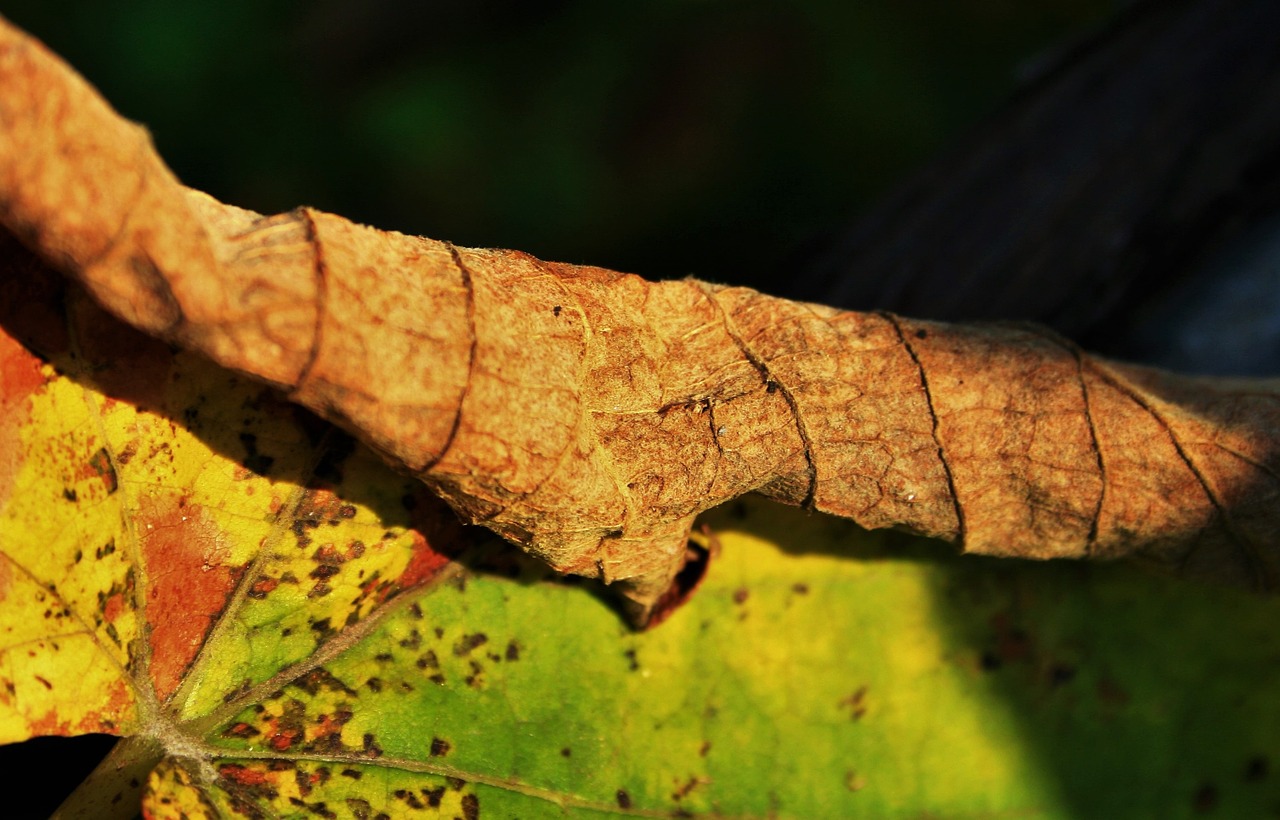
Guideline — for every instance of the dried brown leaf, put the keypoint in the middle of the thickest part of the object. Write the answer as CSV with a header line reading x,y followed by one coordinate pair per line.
x,y
588,415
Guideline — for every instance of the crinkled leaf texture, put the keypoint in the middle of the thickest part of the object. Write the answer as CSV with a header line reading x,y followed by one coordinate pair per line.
x,y
279,626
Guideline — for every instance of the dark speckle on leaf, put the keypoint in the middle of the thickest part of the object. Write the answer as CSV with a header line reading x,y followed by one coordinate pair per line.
x,y
100,464
1060,673
469,642
624,799
440,747
1256,769
1205,799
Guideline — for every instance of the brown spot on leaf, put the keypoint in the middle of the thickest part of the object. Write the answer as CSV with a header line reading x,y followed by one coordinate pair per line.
x,y
470,807
467,643
242,775
1060,673
1111,693
440,747
1205,799
262,587
113,606
324,571
687,787
856,703
100,466
1012,643
240,730
283,739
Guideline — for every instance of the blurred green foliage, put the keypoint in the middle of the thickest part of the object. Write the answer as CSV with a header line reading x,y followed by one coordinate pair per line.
x,y
669,137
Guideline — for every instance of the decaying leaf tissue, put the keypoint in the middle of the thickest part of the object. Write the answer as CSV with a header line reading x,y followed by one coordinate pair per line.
x,y
588,415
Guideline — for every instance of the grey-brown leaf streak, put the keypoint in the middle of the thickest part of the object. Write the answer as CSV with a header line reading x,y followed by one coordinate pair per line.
x,y
770,382
896,324
473,341
1080,357
320,270
1262,576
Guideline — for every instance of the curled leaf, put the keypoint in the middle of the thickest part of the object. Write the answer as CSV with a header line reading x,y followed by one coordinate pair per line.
x,y
588,415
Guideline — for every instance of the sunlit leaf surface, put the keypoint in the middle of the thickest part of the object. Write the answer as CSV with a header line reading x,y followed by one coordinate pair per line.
x,y
297,631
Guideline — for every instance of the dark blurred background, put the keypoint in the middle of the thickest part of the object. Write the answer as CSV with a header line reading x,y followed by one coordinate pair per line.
x,y
666,138
1110,168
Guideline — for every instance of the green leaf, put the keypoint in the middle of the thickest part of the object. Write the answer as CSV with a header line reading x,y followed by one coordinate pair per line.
x,y
282,627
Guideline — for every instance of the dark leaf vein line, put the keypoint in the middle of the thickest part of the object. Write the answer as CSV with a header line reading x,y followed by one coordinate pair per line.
x,y
896,324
